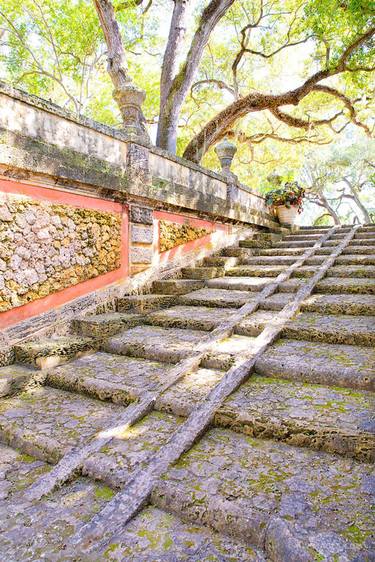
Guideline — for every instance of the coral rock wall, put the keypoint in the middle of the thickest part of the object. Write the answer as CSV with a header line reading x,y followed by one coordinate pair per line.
x,y
172,234
46,247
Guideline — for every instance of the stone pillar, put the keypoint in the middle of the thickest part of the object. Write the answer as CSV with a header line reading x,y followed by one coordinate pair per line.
x,y
225,151
141,238
130,99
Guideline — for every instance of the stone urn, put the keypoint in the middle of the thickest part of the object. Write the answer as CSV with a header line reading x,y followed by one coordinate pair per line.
x,y
225,151
287,215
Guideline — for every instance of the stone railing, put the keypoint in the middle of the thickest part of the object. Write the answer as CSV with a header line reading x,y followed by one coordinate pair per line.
x,y
83,207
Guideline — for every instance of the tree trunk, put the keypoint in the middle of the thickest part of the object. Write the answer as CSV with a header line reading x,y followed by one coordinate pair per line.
x,y
171,104
361,206
330,209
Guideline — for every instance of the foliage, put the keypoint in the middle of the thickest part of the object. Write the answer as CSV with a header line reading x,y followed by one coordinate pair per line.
x,y
288,193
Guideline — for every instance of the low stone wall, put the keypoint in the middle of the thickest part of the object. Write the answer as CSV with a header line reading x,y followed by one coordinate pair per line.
x,y
87,213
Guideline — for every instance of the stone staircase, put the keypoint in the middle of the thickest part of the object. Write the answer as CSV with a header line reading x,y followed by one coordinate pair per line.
x,y
183,427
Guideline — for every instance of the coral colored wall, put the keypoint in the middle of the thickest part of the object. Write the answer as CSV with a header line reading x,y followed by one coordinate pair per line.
x,y
104,221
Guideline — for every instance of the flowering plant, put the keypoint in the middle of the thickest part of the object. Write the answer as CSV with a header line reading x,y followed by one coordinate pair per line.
x,y
289,193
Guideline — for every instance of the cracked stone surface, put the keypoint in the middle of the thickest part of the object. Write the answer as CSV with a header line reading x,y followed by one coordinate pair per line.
x,y
196,318
298,504
106,376
217,297
18,471
155,535
131,447
332,328
154,342
333,365
65,347
239,283
47,422
333,419
41,530
101,325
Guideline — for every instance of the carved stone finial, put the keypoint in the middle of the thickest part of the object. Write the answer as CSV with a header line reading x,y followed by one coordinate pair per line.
x,y
225,152
130,99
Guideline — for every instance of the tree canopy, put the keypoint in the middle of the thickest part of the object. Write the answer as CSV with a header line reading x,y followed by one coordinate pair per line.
x,y
283,78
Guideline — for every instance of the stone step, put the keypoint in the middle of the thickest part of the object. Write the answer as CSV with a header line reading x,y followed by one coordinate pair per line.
x,y
363,234
271,494
203,272
356,259
177,286
14,378
337,285
315,260
48,352
364,271
144,303
220,261
253,324
304,415
302,236
42,530
295,244
255,243
282,252
104,325
167,345
363,241
301,414
47,423
341,365
333,285
217,297
305,271
237,252
272,236
332,328
107,376
255,271
324,251
362,250
355,304
313,230
269,260
190,317
155,535
239,283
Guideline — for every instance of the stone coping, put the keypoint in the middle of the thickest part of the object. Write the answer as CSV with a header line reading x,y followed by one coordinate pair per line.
x,y
51,107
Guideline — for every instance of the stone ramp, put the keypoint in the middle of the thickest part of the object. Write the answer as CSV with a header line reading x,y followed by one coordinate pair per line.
x,y
285,470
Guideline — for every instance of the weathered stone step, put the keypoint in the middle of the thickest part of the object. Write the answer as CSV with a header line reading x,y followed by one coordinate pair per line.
x,y
312,362
237,252
177,286
216,297
220,261
271,494
144,303
47,422
254,324
103,325
255,243
333,285
332,328
155,535
41,531
367,271
202,272
363,242
48,352
359,259
190,317
167,345
240,283
363,234
315,260
282,252
302,236
356,304
130,448
339,285
269,260
14,378
335,420
107,376
362,250
295,244
255,271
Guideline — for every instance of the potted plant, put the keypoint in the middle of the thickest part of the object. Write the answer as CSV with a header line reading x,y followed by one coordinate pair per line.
x,y
286,198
